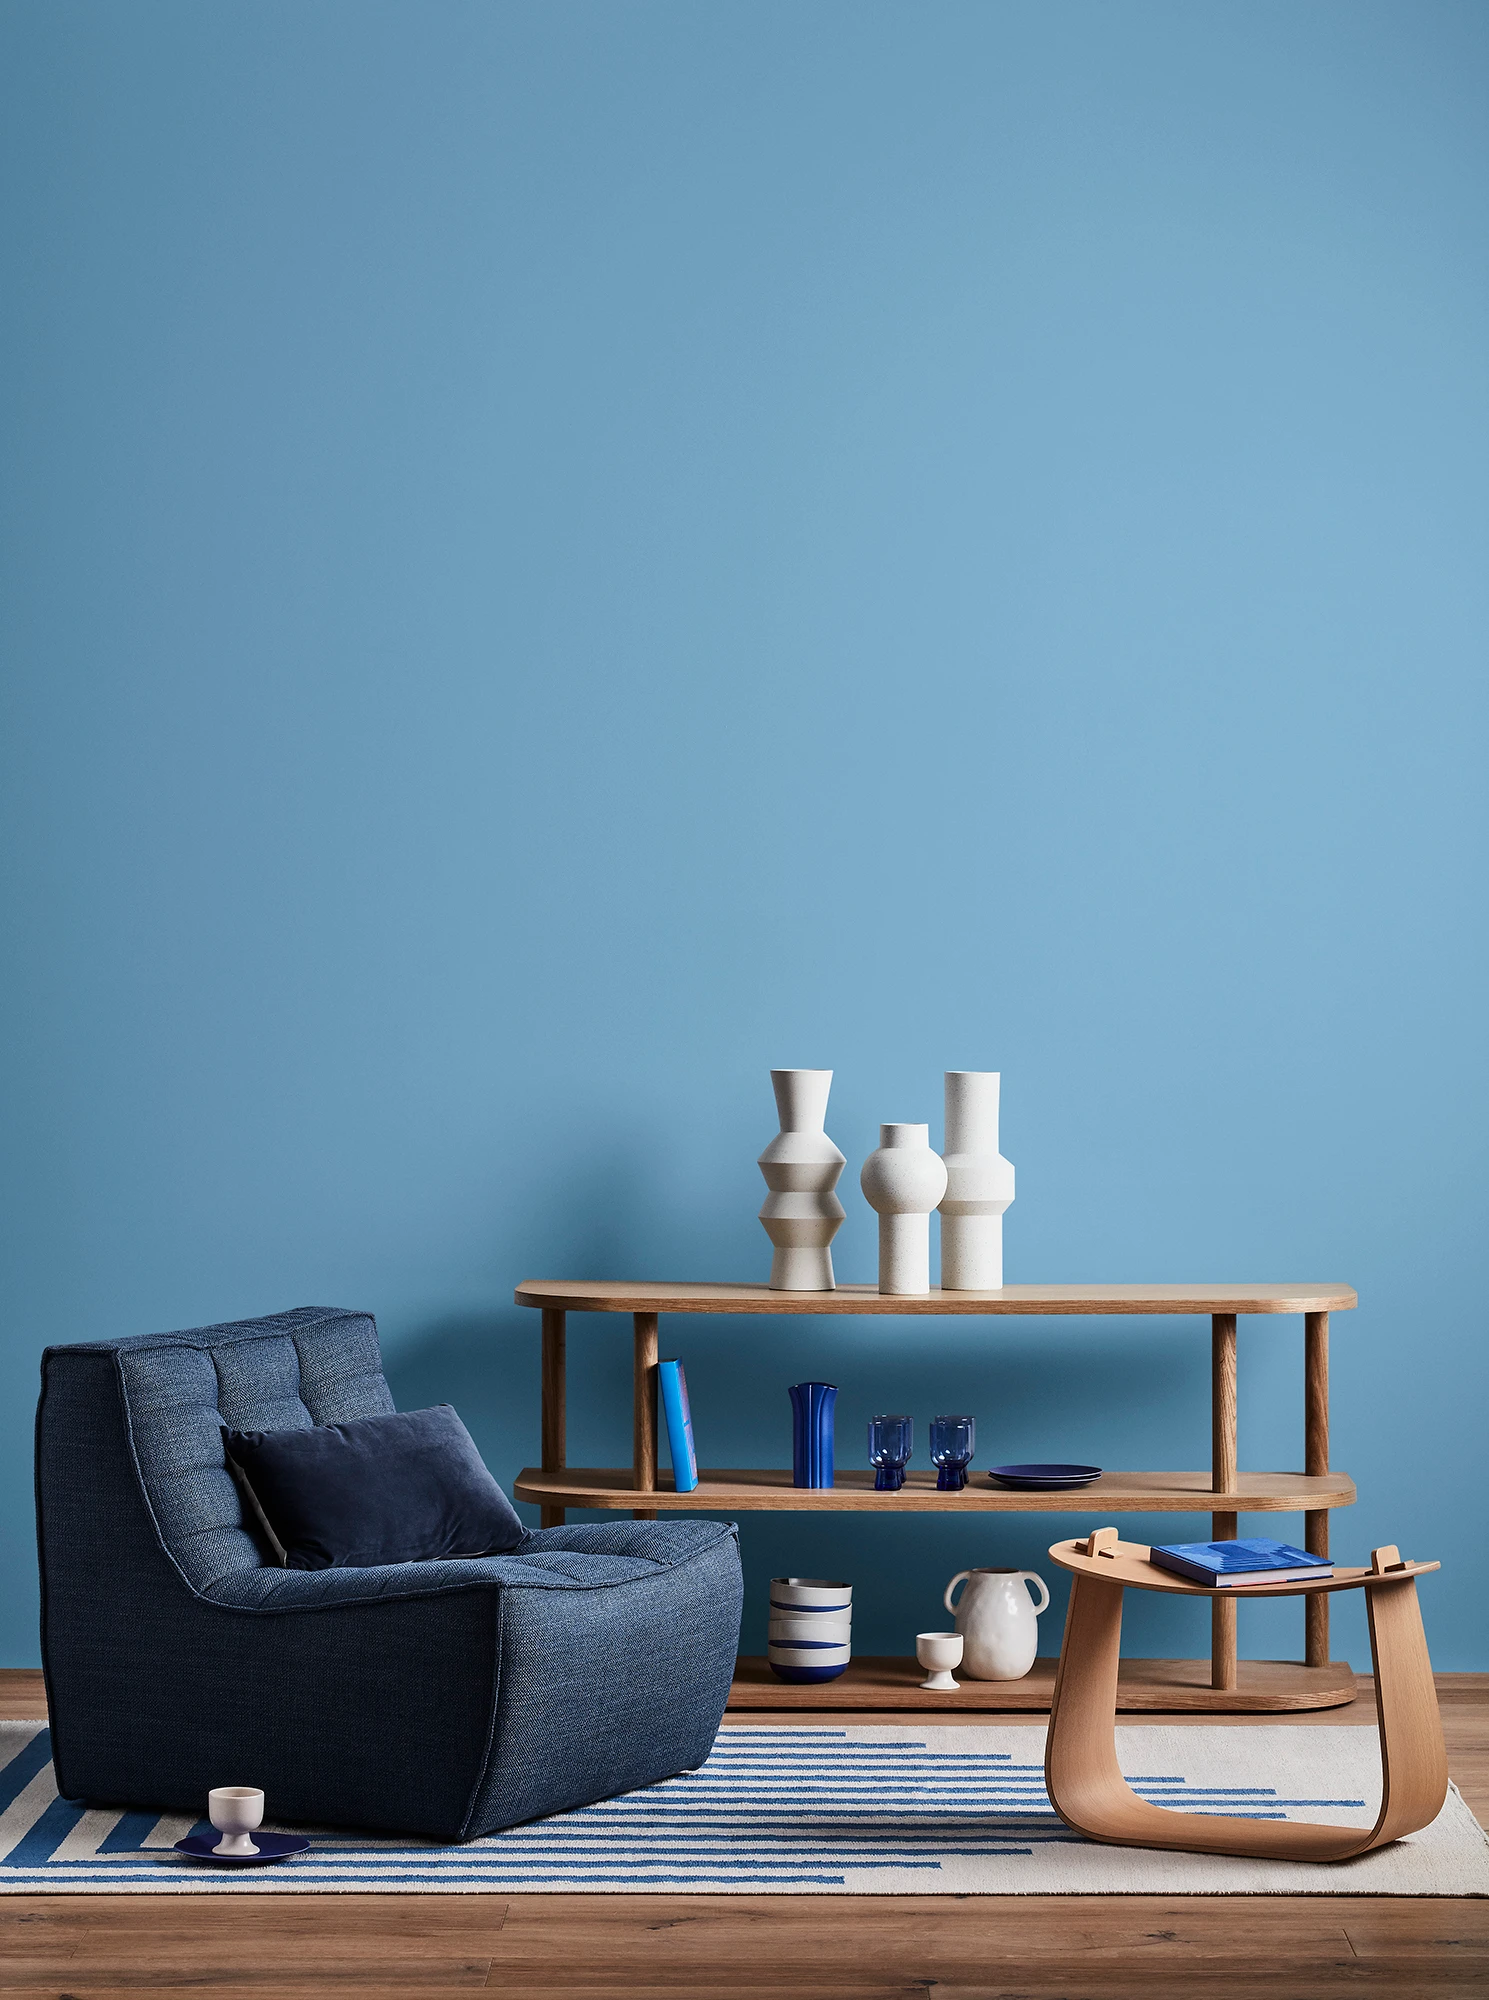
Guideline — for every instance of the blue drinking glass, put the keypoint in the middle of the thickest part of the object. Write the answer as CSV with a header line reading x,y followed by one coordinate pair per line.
x,y
953,1441
891,1446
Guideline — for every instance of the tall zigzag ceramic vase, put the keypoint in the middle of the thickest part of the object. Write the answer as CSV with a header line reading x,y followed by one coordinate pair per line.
x,y
979,1184
801,1214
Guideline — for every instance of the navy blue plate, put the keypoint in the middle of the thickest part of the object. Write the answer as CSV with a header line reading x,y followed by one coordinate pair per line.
x,y
1043,1478
271,1846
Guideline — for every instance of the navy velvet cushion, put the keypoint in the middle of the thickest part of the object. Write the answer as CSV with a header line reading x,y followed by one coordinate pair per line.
x,y
409,1487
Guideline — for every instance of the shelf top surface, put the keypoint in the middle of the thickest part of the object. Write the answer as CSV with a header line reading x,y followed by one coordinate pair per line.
x,y
750,1489
1130,1563
623,1295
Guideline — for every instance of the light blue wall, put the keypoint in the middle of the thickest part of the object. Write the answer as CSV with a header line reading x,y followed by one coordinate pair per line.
x,y
561,555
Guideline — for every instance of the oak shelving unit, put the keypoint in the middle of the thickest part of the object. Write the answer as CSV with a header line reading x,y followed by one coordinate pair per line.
x,y
1222,1684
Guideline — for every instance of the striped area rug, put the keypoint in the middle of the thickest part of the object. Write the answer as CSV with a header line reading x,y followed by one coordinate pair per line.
x,y
863,1811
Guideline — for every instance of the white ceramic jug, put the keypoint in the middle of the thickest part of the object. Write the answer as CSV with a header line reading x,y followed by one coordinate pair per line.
x,y
997,1621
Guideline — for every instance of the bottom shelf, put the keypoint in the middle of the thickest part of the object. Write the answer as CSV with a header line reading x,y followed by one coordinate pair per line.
x,y
1166,1685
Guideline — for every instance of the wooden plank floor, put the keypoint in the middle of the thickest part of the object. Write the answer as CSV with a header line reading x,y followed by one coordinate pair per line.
x,y
773,1947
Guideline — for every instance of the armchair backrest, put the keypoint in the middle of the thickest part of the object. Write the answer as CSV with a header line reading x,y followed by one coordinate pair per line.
x,y
173,1393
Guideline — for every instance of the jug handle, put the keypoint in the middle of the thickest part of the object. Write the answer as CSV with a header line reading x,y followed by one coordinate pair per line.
x,y
1028,1576
962,1576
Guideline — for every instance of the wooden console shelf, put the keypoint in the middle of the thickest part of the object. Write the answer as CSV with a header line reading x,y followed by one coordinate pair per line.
x,y
1224,1493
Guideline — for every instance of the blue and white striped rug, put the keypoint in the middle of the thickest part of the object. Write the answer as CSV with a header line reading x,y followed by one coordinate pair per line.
x,y
864,1811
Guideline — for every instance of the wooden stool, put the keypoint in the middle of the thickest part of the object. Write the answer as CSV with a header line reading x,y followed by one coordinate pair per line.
x,y
1087,1788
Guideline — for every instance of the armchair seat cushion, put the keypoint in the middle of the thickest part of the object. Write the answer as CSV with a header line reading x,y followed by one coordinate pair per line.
x,y
608,1553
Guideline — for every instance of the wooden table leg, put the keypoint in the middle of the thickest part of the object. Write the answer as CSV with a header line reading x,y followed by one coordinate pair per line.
x,y
1223,1527
555,1397
1316,1460
1412,1750
644,1413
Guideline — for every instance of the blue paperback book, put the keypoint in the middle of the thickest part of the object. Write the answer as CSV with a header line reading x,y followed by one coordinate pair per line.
x,y
674,1387
1223,1565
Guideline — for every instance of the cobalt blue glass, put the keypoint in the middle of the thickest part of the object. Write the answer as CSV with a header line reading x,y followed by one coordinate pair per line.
x,y
811,1433
953,1441
891,1446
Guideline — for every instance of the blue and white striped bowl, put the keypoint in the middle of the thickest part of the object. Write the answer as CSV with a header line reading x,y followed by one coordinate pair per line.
x,y
808,1663
830,1630
809,1593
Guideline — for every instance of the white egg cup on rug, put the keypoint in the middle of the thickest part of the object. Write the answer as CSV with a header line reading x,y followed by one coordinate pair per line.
x,y
903,1181
801,1214
236,1811
979,1184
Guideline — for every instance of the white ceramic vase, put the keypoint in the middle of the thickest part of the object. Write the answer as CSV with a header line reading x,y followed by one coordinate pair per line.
x,y
998,1623
801,1214
903,1181
979,1184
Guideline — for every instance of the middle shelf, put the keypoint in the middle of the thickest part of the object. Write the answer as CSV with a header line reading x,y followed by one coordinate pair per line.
x,y
770,1488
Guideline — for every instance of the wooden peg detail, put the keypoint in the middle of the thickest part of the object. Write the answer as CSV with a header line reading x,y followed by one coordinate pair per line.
x,y
1385,1559
1102,1542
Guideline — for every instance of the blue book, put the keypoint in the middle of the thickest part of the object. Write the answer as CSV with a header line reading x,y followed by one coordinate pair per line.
x,y
1227,1565
674,1387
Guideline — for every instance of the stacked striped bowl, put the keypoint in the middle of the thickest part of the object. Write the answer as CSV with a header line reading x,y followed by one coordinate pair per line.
x,y
811,1627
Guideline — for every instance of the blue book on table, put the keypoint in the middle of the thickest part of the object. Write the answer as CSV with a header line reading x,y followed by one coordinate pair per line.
x,y
674,1387
1226,1564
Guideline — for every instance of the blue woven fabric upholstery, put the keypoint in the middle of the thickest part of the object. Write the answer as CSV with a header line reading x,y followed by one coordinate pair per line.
x,y
443,1698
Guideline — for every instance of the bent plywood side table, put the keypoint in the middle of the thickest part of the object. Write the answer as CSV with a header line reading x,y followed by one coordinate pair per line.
x,y
1085,1782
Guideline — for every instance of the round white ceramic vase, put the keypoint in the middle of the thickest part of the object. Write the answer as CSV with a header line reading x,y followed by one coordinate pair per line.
x,y
903,1181
998,1621
979,1184
801,1214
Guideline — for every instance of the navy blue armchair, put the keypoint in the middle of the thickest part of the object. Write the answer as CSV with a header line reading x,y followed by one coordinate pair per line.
x,y
444,1698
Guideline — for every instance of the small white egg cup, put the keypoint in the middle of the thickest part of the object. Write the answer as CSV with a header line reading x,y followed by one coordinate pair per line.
x,y
236,1811
940,1652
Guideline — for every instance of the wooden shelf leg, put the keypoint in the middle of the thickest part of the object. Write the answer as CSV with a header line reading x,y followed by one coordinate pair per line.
x,y
555,1397
1316,1460
644,1413
1223,1527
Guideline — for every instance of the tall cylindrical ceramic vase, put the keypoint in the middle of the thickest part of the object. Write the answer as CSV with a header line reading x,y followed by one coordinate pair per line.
x,y
903,1181
979,1184
801,1214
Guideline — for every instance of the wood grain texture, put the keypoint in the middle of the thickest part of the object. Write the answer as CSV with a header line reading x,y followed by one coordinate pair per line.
x,y
1224,1523
771,1948
1316,1460
555,1404
658,1296
1144,1686
644,1412
747,1489
1085,1781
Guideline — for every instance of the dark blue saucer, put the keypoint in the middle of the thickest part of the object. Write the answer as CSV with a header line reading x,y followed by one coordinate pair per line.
x,y
271,1847
1043,1478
